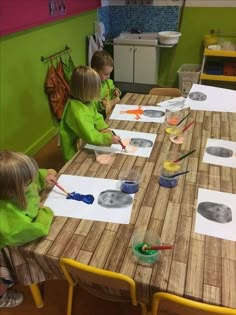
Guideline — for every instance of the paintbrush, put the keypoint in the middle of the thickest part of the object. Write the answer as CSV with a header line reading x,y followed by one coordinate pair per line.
x,y
183,156
63,189
184,129
120,142
183,119
159,247
175,175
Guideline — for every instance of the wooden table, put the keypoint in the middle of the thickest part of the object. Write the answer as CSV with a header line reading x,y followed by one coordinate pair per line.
x,y
200,267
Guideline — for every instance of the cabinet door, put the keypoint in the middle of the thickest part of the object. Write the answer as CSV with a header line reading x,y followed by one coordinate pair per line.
x,y
145,65
123,63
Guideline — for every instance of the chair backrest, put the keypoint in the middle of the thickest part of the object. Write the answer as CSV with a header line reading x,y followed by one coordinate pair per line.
x,y
104,284
165,303
165,92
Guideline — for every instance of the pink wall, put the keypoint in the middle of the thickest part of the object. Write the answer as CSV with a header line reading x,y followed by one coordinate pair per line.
x,y
18,15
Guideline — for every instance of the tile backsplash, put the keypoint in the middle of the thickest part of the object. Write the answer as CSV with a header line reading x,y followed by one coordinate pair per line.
x,y
119,19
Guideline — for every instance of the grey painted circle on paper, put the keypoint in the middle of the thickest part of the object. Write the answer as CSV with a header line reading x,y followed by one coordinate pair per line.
x,y
141,143
197,96
216,212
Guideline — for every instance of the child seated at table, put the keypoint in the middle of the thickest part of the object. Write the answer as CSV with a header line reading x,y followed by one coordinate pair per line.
x,y
81,120
103,63
22,217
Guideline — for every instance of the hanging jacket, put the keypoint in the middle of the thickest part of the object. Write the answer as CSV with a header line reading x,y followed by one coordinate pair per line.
x,y
57,89
82,121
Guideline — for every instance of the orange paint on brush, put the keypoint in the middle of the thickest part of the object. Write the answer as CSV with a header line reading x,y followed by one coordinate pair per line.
x,y
137,112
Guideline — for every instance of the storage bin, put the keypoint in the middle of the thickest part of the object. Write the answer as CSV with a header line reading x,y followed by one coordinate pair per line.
x,y
188,74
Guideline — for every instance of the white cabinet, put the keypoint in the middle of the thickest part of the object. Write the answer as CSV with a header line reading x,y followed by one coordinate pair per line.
x,y
136,64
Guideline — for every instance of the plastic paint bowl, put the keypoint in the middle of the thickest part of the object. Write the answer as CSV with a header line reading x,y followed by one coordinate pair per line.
x,y
168,166
141,238
168,182
129,183
129,187
103,157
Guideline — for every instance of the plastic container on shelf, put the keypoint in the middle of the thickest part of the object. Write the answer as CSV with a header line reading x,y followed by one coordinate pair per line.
x,y
188,74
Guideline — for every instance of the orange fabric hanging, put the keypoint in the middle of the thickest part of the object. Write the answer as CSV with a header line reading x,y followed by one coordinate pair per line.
x,y
57,89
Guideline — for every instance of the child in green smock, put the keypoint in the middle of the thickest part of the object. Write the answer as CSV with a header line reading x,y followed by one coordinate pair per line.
x,y
103,63
81,120
22,217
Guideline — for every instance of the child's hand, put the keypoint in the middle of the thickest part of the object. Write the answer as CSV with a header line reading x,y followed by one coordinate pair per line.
x,y
105,102
51,177
115,139
117,93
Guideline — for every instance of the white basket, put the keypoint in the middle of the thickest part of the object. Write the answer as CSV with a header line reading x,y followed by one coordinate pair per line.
x,y
188,74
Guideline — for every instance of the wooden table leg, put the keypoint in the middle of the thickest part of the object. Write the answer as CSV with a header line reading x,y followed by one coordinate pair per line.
x,y
36,294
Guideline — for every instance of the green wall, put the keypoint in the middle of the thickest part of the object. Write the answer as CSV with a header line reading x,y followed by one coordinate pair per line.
x,y
26,123
196,23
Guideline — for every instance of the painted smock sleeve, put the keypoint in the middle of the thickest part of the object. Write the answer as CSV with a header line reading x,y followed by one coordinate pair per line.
x,y
17,228
87,125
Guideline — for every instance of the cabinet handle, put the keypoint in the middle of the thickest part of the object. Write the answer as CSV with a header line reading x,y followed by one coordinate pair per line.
x,y
131,49
135,49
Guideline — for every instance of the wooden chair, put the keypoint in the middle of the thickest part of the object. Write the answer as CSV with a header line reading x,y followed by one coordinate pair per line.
x,y
165,303
165,92
101,283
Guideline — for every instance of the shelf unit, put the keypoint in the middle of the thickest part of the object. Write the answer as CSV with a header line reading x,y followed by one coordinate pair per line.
x,y
216,53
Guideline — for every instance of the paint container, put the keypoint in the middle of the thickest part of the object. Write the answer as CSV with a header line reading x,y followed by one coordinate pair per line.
x,y
168,165
173,117
130,184
168,182
104,157
140,238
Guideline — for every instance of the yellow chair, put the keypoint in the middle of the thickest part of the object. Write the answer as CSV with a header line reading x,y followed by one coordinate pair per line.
x,y
165,92
101,283
165,303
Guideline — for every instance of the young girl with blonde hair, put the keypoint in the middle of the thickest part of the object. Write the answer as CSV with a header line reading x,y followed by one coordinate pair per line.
x,y
22,218
103,63
81,120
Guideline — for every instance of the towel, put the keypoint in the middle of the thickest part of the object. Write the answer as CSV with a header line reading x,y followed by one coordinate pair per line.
x,y
95,44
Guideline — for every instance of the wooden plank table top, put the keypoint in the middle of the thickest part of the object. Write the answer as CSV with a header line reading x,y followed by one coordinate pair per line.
x,y
199,267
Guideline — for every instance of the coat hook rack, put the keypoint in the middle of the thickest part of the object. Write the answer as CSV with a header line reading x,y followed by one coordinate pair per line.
x,y
58,54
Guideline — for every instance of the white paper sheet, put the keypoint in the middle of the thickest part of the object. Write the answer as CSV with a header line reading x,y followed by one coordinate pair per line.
x,y
216,99
211,226
213,150
77,209
126,136
137,113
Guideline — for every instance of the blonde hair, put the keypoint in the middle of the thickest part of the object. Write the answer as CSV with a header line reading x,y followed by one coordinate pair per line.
x,y
85,84
17,170
100,59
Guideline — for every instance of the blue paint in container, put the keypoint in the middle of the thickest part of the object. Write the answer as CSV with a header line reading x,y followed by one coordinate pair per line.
x,y
168,182
129,187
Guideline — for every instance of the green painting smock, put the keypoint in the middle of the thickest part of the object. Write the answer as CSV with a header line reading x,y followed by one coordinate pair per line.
x,y
18,226
82,121
107,91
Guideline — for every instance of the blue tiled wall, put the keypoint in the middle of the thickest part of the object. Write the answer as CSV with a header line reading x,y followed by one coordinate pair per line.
x,y
119,19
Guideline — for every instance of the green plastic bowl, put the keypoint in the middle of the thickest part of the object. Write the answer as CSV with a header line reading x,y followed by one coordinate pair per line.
x,y
140,238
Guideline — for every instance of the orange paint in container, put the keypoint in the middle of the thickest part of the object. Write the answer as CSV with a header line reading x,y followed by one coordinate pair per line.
x,y
172,121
